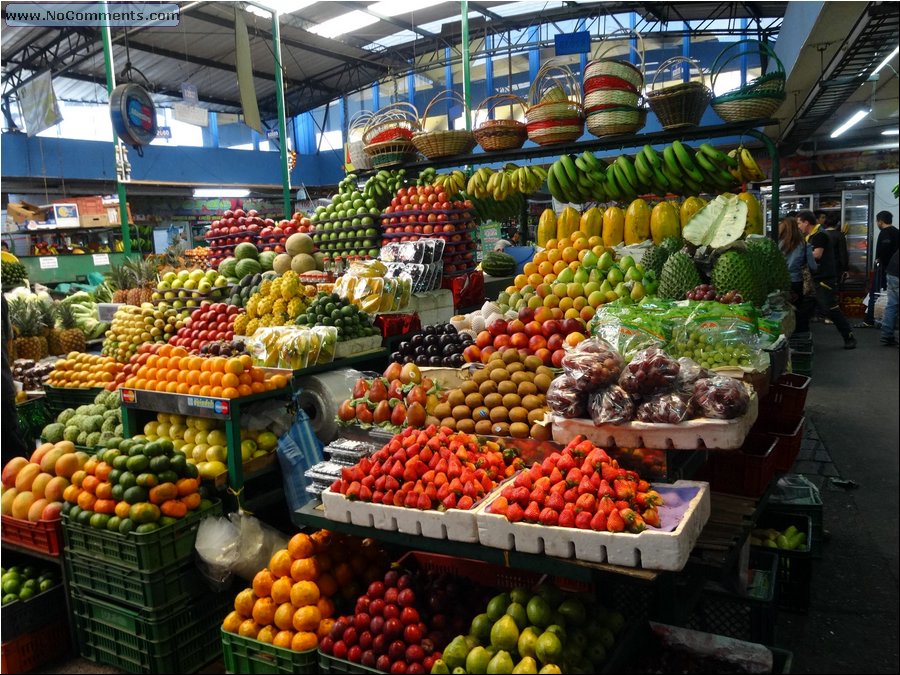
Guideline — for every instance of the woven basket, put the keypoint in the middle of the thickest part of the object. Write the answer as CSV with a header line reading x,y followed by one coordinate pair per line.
x,y
390,153
434,144
493,135
397,121
606,98
567,115
680,105
757,99
356,147
614,121
599,67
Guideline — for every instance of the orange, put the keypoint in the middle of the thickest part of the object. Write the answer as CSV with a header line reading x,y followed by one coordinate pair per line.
x,y
172,375
230,392
205,377
262,583
182,376
258,374
304,641
234,366
86,501
266,634
278,381
327,585
264,611
326,608
257,387
249,628
244,601
151,360
165,350
307,618
205,390
179,351
163,362
194,390
90,483
216,379
529,268
195,363
216,392
78,477
283,639
245,378
161,385
218,364
246,360
300,546
305,569
172,387
325,626
243,390
230,380
284,616
280,563
232,622
206,366
193,377
304,593
184,363
183,388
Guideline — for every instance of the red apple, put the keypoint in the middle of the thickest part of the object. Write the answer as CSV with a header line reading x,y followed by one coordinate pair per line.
x,y
526,314
557,358
498,327
532,328
537,342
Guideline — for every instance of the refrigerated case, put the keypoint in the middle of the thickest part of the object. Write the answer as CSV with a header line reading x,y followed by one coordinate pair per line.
x,y
856,222
788,203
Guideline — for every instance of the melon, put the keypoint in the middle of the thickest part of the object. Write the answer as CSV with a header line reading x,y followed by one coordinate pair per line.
x,y
246,251
303,262
266,258
320,260
247,267
226,267
299,243
282,263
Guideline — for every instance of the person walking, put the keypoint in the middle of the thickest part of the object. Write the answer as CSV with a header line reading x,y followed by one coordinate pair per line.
x,y
888,242
795,250
892,275
839,246
824,275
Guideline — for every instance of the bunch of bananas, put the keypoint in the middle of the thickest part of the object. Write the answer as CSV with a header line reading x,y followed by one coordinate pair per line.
x,y
489,208
744,169
452,183
506,182
382,186
679,170
427,176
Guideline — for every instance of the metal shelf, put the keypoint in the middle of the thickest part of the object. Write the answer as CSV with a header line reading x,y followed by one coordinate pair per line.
x,y
187,404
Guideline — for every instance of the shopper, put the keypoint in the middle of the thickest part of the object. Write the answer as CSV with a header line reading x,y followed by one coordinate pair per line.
x,y
888,242
821,218
12,445
795,251
824,275
892,272
839,246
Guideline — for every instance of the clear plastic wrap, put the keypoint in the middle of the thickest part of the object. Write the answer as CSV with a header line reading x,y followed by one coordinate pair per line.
x,y
663,409
717,335
611,406
688,373
720,397
631,328
650,372
327,336
565,399
593,364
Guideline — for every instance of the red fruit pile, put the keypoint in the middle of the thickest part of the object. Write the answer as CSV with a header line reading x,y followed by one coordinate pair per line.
x,y
273,236
546,339
581,487
394,401
233,228
434,468
707,292
208,323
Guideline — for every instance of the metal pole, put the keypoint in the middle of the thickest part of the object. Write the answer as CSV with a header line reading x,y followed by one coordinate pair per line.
x,y
282,125
467,80
776,178
117,143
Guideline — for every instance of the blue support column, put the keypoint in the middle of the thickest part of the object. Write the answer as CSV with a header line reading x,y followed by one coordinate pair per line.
x,y
448,84
744,55
306,134
686,51
214,129
632,53
488,66
254,136
534,52
376,97
583,58
411,88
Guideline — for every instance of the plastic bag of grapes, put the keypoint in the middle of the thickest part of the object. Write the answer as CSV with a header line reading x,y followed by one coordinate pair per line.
x,y
717,335
630,328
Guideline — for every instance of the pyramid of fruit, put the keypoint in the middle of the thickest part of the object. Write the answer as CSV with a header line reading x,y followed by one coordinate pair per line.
x,y
232,229
135,326
278,302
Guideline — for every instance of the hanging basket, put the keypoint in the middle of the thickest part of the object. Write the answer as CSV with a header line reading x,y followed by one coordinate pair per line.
x,y
623,74
757,99
397,121
680,105
494,135
434,144
617,120
356,147
554,120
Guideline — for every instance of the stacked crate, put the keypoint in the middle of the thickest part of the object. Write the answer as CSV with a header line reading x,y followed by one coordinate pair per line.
x,y
139,603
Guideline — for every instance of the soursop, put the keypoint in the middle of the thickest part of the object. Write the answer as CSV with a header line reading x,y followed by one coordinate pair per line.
x,y
678,276
655,258
769,263
66,415
733,271
53,432
71,434
671,244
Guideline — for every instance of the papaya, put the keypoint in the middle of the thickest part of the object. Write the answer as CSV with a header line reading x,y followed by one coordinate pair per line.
x,y
689,207
546,229
568,223
754,214
591,224
664,222
613,232
637,222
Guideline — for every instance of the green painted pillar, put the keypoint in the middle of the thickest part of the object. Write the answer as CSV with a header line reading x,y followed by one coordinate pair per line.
x,y
282,126
467,76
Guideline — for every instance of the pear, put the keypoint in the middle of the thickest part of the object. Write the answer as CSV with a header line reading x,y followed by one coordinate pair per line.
x,y
505,634
477,660
502,663
526,665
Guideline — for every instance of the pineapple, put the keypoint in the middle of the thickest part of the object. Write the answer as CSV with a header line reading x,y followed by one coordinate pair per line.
x,y
144,272
71,337
28,324
45,307
120,279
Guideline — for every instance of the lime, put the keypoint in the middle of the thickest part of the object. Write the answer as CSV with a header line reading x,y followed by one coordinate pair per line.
x,y
126,526
520,595
147,527
178,462
539,612
573,611
168,477
113,524
167,446
99,520
154,449
47,584
138,464
481,628
497,606
9,597
120,462
74,511
118,492
114,476
84,518
11,586
30,572
127,479
159,464
548,648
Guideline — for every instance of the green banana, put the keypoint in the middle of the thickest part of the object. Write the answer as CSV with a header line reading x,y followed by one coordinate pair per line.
x,y
684,159
612,187
553,186
652,156
571,169
671,166
643,168
625,188
591,161
714,154
626,170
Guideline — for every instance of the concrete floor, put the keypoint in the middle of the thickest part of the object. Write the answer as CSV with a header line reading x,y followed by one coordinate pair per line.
x,y
852,624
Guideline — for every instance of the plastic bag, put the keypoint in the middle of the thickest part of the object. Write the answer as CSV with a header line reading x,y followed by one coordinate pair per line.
x,y
611,406
565,398
720,397
593,364
650,372
631,328
689,372
298,450
258,542
663,409
716,335
218,546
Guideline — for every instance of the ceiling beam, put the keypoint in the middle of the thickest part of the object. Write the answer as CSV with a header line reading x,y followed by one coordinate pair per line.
x,y
481,9
235,106
393,20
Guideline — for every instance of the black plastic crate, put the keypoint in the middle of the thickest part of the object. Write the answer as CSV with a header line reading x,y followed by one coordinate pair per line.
x,y
804,501
794,567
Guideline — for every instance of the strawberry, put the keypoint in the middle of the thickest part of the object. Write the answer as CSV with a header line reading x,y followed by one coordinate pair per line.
x,y
604,490
443,491
580,438
426,455
521,496
547,465
615,522
571,495
548,517
524,479
500,506
542,484
598,522
465,503
388,499
566,462
637,525
507,492
441,479
642,485
566,519
558,488
585,487
449,502
532,513
555,476
353,491
423,503
583,520
608,472
515,513
538,496
365,493
596,480
624,489
431,491
409,473
391,483
555,501
586,502
377,497
536,471
606,505
651,517
573,477
622,504
469,489
428,476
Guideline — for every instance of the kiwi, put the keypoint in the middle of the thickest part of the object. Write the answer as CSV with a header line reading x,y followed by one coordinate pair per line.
x,y
520,377
474,400
531,402
539,432
469,387
466,426
456,397
511,356
493,400
515,367
496,356
449,422
500,429
432,420
536,415
461,412
507,387
499,414
532,363
518,414
544,370
542,382
442,410
483,427
481,413
487,387
527,389
480,375
511,400
518,430
499,375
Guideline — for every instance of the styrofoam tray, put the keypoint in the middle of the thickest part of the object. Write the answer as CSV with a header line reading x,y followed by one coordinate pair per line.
x,y
651,549
356,346
690,435
453,524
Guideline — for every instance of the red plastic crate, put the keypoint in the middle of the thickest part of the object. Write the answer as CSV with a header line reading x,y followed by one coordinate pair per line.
x,y
28,651
789,434
787,397
747,471
44,536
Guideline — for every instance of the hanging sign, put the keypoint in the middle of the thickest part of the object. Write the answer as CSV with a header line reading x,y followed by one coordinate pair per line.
x,y
164,132
133,114
189,93
572,43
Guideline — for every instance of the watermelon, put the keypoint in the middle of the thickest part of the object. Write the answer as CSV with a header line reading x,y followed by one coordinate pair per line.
x,y
498,264
226,267
246,251
266,259
247,267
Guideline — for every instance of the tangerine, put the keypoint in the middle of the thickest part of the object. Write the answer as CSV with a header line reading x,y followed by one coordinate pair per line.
x,y
325,626
300,546
304,593
304,641
281,590
232,622
248,628
305,569
284,616
230,392
326,608
234,366
283,639
307,618
266,634
264,611
230,380
280,563
262,583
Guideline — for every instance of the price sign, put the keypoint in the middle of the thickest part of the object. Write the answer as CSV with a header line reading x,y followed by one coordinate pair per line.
x,y
101,259
49,263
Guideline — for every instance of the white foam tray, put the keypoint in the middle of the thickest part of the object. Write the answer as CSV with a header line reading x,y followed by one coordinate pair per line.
x,y
454,524
689,435
651,549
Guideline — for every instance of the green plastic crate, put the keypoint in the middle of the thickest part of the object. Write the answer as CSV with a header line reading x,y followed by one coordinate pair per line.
x,y
135,588
148,552
33,415
60,398
329,664
243,655
172,640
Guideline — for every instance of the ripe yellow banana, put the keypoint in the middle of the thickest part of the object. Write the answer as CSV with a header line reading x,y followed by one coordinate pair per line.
x,y
749,166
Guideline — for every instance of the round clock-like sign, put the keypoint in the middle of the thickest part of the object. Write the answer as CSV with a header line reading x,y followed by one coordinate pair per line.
x,y
133,114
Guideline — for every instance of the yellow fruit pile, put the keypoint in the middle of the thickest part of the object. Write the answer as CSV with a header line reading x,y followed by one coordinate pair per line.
x,y
83,371
557,256
277,303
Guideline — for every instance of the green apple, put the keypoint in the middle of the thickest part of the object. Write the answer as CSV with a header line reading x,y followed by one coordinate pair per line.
x,y
248,448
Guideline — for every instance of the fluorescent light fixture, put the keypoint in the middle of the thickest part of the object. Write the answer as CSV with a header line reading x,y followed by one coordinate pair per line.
x,y
225,193
395,7
345,23
890,132
887,60
278,6
857,117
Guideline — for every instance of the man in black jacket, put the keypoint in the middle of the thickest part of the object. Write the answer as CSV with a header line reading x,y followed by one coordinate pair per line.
x,y
888,242
825,275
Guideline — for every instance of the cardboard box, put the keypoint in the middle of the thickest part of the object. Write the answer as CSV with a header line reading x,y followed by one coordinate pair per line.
x,y
97,220
87,206
63,215
112,213
22,212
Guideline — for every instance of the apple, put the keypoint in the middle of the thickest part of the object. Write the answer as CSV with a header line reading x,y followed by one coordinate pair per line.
x,y
557,358
396,650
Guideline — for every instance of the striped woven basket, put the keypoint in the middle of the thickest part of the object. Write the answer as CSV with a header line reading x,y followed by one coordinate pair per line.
x,y
554,120
682,104
599,67
614,121
393,122
757,99
356,147
434,144
609,98
390,153
507,134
